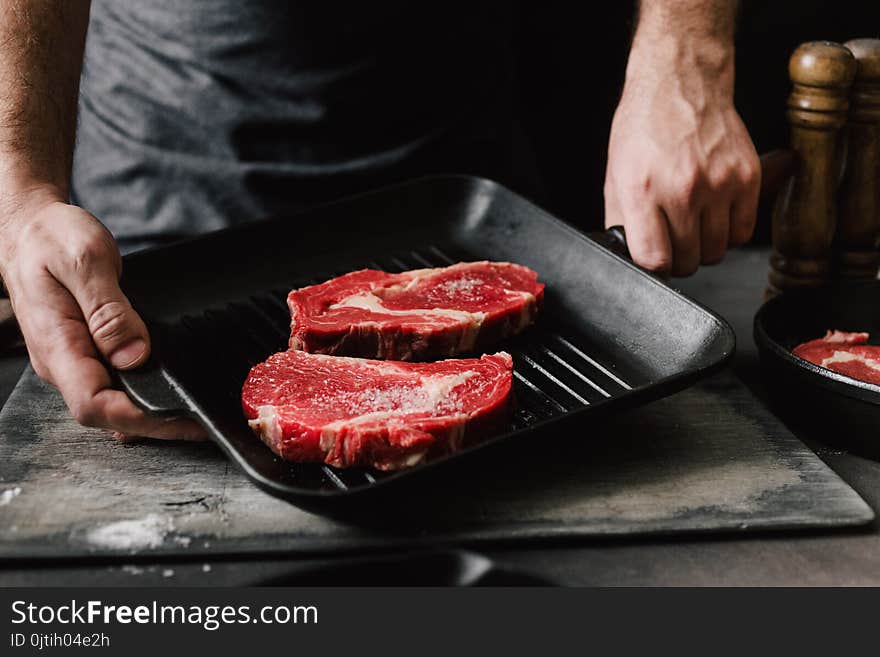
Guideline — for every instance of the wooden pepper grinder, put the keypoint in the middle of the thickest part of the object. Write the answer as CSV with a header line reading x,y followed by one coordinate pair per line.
x,y
804,217
858,218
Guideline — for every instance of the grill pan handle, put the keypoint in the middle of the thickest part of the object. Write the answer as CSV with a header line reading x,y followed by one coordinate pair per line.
x,y
150,386
613,239
152,389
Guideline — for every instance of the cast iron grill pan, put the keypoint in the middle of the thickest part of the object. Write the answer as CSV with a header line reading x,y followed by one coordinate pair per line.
x,y
611,335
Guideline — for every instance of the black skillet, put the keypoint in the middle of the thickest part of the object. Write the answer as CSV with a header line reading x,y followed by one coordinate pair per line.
x,y
611,335
831,407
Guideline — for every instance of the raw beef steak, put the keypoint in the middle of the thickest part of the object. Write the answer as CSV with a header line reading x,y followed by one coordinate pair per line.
x,y
846,353
383,414
415,315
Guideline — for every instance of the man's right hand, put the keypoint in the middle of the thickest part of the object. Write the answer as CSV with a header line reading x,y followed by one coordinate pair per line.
x,y
61,268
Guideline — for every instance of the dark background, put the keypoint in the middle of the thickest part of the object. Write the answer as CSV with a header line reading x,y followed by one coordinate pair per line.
x,y
571,59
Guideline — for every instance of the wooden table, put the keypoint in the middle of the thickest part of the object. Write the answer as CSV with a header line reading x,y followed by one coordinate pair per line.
x,y
843,558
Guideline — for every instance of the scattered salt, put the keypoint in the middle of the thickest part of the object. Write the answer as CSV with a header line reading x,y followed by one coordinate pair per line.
x,y
459,287
147,532
9,494
433,397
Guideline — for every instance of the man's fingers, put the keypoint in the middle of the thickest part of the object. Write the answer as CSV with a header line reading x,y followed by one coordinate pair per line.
x,y
647,233
172,428
117,412
66,357
684,233
776,166
743,214
714,233
116,329
86,387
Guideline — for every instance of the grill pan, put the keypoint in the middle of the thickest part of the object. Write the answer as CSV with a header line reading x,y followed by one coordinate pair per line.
x,y
833,407
611,334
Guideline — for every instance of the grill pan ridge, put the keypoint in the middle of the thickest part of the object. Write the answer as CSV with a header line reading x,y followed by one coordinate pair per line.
x,y
564,368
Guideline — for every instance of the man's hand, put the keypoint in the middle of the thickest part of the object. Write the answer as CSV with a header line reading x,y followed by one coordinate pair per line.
x,y
61,268
60,265
683,176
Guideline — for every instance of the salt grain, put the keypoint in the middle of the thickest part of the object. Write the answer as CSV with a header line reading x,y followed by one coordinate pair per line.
x,y
183,541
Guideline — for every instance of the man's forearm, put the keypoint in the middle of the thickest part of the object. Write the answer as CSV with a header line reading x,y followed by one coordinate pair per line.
x,y
41,48
703,19
695,34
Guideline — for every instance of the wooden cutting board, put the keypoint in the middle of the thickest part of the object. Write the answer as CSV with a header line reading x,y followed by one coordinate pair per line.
x,y
708,459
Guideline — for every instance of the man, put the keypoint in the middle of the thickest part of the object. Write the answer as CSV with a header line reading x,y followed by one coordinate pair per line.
x,y
199,114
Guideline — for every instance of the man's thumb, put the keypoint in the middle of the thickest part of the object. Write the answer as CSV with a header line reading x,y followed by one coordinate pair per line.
x,y
118,332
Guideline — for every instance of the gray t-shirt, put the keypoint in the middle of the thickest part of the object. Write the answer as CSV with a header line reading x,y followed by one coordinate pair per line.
x,y
200,114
